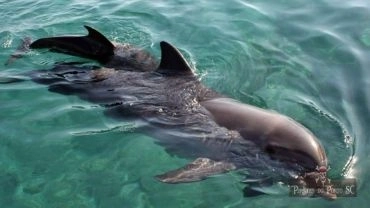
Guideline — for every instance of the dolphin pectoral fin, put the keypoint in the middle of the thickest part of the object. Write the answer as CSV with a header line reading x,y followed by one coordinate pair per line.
x,y
251,192
11,80
93,46
197,170
264,181
255,185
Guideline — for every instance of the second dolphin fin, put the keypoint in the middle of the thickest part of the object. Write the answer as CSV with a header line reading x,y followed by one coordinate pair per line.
x,y
93,46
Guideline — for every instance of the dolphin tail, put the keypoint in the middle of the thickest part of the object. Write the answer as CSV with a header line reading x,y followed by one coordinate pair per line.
x,y
92,46
197,170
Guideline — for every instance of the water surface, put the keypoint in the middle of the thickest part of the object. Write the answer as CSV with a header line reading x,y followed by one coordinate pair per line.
x,y
306,59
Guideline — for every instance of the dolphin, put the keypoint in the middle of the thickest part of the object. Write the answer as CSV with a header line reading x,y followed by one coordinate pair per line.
x,y
20,51
188,119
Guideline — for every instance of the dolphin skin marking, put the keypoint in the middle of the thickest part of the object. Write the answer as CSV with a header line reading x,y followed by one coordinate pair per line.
x,y
188,119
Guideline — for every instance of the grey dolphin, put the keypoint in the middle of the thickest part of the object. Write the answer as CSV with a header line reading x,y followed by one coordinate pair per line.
x,y
187,118
21,50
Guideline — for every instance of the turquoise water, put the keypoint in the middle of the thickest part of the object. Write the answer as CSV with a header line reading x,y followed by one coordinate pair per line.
x,y
306,59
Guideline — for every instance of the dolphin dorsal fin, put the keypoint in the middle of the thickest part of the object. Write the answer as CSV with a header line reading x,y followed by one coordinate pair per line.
x,y
100,38
172,61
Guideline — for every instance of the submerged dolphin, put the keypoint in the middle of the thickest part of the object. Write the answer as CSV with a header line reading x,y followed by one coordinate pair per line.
x,y
190,120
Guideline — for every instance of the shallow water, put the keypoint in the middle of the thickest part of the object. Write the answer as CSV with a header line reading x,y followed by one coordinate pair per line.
x,y
305,59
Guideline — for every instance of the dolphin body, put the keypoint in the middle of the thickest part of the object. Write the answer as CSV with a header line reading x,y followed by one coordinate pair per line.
x,y
190,120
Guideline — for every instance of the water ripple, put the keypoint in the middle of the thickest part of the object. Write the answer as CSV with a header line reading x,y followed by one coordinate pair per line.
x,y
308,60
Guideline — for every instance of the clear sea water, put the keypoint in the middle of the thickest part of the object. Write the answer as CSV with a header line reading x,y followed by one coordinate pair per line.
x,y
306,59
